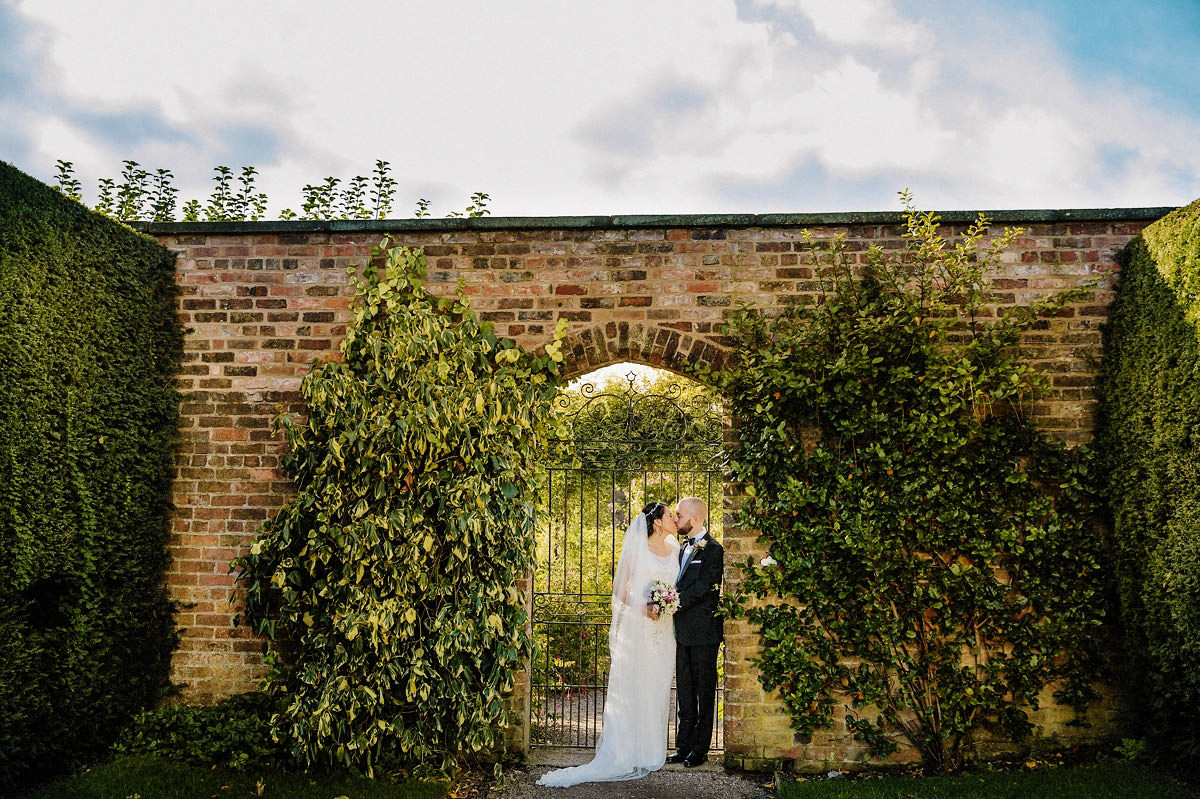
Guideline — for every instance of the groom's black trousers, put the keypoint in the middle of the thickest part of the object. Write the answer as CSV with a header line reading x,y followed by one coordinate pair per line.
x,y
696,695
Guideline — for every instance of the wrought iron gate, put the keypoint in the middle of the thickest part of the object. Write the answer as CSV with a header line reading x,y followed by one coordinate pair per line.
x,y
628,446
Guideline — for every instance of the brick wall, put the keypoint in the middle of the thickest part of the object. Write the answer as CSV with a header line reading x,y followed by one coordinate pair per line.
x,y
263,300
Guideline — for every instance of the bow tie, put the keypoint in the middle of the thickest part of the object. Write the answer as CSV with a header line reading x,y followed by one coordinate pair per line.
x,y
692,540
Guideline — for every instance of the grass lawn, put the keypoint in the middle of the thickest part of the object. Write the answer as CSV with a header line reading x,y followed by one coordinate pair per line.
x,y
1101,781
151,778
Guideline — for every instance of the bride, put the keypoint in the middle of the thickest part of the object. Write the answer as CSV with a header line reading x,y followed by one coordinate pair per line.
x,y
642,645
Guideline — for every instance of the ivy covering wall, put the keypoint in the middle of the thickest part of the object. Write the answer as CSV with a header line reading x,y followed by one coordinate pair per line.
x,y
1150,434
933,567
389,586
88,346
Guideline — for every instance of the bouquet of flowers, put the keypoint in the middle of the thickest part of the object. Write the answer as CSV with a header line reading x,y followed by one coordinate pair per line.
x,y
664,597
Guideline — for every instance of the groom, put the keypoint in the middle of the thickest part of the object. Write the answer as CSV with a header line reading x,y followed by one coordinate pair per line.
x,y
698,632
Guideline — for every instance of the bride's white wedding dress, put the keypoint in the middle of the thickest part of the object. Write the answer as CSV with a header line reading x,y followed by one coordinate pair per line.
x,y
634,740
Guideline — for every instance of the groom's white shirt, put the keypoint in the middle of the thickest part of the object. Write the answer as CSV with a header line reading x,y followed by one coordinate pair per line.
x,y
688,549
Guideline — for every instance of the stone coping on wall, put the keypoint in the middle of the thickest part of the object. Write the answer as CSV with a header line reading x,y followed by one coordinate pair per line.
x,y
450,224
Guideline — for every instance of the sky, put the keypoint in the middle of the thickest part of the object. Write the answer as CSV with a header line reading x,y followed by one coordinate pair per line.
x,y
617,373
620,106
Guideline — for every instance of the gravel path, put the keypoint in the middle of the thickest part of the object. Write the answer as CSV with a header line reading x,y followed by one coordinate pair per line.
x,y
710,781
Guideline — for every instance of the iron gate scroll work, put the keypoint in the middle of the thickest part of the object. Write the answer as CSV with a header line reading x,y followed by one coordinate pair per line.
x,y
628,446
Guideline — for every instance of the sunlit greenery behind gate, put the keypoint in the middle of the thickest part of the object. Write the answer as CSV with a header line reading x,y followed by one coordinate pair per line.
x,y
89,343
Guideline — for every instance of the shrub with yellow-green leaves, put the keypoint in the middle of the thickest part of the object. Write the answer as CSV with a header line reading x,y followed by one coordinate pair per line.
x,y
388,586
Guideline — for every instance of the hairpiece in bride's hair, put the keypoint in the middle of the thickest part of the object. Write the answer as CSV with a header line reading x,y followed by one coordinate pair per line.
x,y
653,512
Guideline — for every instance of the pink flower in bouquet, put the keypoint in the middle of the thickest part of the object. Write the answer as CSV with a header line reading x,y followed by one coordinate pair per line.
x,y
664,597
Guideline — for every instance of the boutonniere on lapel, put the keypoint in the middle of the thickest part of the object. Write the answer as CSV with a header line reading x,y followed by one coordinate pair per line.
x,y
701,544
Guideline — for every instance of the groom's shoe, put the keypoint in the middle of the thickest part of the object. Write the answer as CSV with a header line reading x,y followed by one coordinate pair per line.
x,y
695,759
677,757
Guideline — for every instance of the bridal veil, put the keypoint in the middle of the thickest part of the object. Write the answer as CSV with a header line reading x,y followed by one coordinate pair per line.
x,y
633,742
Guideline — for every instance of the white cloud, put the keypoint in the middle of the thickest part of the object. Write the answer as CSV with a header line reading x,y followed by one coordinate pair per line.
x,y
620,106
978,116
857,22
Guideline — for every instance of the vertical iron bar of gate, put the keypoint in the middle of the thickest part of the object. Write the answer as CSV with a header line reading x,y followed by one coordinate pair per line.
x,y
565,492
596,538
549,532
582,500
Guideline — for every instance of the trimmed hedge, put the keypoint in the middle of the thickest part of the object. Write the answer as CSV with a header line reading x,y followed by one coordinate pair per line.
x,y
1150,437
89,343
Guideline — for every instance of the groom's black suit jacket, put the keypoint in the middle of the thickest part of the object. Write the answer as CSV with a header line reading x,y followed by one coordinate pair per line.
x,y
696,622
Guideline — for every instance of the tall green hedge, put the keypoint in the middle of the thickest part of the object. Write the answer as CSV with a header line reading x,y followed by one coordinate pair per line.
x,y
89,343
1150,436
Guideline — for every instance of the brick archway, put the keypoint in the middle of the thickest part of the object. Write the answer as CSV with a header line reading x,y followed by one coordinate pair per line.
x,y
661,346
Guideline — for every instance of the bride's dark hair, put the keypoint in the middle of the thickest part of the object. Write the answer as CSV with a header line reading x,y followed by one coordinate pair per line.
x,y
653,512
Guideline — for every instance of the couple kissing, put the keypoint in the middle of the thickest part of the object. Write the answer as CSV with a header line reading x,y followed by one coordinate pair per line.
x,y
664,625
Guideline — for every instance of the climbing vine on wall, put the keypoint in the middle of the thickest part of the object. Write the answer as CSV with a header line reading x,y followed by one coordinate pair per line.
x,y
932,562
388,586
